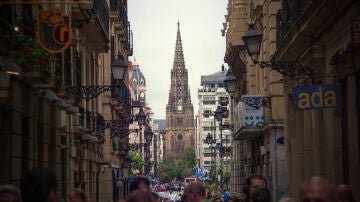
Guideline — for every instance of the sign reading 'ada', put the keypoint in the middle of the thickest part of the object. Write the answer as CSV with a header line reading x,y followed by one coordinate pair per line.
x,y
317,97
54,30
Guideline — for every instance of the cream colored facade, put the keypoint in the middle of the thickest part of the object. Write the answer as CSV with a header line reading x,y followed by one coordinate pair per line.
x,y
318,141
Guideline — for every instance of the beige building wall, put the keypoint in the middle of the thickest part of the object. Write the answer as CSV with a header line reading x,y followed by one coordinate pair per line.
x,y
319,141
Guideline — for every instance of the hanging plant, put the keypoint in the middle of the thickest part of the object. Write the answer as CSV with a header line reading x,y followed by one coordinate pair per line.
x,y
32,53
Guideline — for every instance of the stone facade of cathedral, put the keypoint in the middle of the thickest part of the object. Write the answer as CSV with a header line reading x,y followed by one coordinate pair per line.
x,y
180,130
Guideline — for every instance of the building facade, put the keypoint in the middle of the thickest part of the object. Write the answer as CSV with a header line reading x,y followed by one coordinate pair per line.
x,y
180,131
314,139
212,94
256,128
60,105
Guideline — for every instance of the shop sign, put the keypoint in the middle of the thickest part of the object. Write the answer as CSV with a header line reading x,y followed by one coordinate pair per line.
x,y
54,30
317,97
253,116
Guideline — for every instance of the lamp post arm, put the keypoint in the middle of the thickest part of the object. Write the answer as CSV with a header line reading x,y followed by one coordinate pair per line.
x,y
286,68
89,92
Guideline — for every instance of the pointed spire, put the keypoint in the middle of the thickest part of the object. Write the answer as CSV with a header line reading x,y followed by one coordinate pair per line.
x,y
179,62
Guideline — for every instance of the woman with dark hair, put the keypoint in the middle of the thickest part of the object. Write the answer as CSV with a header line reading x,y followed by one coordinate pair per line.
x,y
141,196
39,185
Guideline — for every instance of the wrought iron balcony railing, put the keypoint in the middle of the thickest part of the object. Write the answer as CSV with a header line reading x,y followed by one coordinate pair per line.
x,y
291,9
102,12
120,92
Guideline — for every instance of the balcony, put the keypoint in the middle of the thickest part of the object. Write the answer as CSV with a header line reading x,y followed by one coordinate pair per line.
x,y
93,21
119,18
285,18
120,96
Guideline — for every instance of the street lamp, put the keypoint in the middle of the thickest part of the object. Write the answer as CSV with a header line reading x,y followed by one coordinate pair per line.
x,y
230,83
252,40
118,70
209,139
141,117
219,114
148,133
11,69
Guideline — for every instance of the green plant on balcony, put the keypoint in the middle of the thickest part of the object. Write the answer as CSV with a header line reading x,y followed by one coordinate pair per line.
x,y
115,145
32,53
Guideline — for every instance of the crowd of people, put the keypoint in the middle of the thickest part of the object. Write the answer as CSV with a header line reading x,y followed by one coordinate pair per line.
x,y
40,185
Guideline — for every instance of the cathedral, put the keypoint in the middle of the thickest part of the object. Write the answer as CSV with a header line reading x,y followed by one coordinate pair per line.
x,y
180,130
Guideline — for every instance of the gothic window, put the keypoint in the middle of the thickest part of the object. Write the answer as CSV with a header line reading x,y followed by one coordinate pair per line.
x,y
179,121
179,99
179,87
180,137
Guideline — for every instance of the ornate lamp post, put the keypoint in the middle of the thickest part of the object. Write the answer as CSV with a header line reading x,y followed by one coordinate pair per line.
x,y
210,140
230,84
148,133
252,40
118,69
219,115
141,119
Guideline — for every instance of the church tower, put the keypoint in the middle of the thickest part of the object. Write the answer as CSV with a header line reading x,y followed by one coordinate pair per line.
x,y
180,130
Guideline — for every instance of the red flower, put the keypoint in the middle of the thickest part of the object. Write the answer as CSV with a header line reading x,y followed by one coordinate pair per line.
x,y
42,61
26,49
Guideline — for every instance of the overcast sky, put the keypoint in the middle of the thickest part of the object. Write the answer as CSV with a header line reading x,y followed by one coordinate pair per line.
x,y
154,25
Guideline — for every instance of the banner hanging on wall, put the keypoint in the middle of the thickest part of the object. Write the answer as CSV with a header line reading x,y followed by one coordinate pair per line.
x,y
54,30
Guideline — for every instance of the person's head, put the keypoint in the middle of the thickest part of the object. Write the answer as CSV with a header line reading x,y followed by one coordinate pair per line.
x,y
317,189
344,193
140,183
40,185
216,200
287,199
140,196
76,195
194,192
156,196
9,193
261,195
252,183
233,199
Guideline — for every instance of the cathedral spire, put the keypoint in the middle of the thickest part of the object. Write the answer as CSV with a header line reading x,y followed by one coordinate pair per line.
x,y
179,62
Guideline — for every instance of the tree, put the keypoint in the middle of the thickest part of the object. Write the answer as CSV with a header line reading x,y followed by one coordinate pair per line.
x,y
168,168
174,166
137,163
188,162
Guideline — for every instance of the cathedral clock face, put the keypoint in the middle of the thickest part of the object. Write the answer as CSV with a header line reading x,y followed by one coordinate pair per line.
x,y
142,95
179,108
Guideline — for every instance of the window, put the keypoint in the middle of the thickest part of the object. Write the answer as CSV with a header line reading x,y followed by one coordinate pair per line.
x,y
209,100
207,126
223,100
206,113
